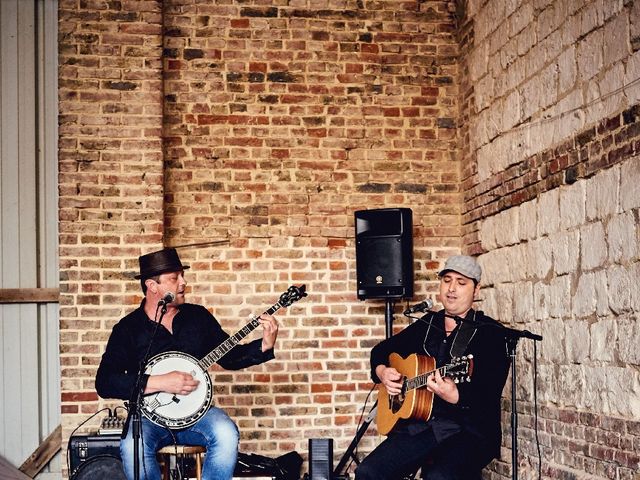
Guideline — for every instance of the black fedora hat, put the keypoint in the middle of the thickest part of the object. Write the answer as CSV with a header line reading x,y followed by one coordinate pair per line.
x,y
162,261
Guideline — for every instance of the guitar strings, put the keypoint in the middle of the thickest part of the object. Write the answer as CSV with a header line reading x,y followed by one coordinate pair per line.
x,y
425,375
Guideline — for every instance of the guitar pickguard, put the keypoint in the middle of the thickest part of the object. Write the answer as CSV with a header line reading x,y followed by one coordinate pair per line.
x,y
396,401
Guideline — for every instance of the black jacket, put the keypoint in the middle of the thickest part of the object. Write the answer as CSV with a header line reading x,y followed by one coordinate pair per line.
x,y
195,332
478,410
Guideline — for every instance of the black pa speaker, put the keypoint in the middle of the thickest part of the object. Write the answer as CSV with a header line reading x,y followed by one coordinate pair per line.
x,y
320,458
384,253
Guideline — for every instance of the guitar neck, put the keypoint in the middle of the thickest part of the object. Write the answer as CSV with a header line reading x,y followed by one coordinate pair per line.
x,y
222,349
421,380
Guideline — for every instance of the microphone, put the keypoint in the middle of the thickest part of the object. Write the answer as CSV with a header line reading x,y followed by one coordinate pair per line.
x,y
419,307
167,298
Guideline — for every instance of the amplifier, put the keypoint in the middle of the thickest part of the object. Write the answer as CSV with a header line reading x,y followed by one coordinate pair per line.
x,y
84,447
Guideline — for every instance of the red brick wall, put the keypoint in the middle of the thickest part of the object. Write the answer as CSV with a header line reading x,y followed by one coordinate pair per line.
x,y
110,181
263,126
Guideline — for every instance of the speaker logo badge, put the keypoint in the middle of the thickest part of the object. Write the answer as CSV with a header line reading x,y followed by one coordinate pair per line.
x,y
379,279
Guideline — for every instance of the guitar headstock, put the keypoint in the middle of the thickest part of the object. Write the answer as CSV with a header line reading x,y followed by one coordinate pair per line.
x,y
460,368
293,294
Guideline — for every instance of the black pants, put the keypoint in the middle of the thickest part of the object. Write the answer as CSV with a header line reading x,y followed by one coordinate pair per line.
x,y
401,454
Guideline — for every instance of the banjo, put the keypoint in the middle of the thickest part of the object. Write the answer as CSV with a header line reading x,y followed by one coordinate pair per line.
x,y
181,411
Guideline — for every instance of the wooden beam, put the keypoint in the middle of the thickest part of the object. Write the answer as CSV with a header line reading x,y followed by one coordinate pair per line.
x,y
29,295
43,454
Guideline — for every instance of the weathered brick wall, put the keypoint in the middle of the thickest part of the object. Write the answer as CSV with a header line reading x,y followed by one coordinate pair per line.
x,y
264,126
281,121
551,146
111,178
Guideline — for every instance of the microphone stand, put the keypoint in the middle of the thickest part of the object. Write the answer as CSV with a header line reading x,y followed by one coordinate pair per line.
x,y
135,401
511,337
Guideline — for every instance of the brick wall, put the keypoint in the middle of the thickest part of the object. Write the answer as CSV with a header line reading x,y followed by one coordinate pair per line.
x,y
249,133
256,129
281,122
550,142
110,181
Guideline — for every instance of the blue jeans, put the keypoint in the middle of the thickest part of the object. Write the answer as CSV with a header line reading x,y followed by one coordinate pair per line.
x,y
215,431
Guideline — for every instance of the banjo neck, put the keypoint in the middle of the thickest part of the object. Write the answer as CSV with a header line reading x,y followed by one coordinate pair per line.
x,y
222,349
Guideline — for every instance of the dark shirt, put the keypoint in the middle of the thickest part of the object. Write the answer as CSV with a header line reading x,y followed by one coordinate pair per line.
x,y
478,409
195,332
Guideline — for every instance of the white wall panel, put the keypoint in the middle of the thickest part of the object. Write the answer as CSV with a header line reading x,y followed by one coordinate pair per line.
x,y
29,361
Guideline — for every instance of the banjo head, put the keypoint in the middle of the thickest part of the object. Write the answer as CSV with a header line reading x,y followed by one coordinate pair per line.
x,y
174,410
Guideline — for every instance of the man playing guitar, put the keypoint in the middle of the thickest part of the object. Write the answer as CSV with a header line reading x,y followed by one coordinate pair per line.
x,y
460,432
185,328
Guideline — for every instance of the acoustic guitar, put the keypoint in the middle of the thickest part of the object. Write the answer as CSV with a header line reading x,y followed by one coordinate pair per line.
x,y
414,401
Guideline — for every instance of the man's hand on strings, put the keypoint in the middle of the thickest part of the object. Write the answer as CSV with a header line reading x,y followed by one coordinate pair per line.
x,y
445,388
180,383
390,378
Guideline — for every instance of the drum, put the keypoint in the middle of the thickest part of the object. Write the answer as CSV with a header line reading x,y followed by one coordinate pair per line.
x,y
100,467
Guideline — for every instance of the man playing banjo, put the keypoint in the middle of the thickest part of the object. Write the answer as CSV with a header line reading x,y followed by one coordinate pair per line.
x,y
184,328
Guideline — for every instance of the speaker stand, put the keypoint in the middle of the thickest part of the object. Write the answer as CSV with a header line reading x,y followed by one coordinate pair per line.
x,y
388,317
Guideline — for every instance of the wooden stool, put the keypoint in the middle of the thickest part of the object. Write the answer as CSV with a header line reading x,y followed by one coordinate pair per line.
x,y
181,451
